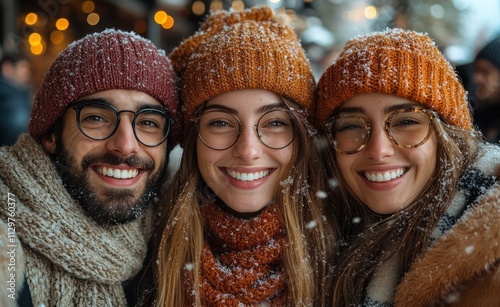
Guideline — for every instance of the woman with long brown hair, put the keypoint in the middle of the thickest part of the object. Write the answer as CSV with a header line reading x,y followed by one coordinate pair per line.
x,y
419,200
242,224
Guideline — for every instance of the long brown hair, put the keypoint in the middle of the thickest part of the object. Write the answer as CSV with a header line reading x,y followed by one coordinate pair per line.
x,y
309,238
368,239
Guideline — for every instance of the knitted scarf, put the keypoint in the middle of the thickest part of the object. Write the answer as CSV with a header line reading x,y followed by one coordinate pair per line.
x,y
242,260
476,182
70,259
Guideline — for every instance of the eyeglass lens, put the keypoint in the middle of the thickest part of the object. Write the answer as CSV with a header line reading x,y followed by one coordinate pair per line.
x,y
351,133
100,121
220,130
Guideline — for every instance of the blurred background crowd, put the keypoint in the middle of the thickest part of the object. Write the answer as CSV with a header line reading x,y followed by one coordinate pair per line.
x,y
32,33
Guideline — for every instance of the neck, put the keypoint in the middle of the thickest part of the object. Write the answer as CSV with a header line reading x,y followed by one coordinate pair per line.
x,y
241,215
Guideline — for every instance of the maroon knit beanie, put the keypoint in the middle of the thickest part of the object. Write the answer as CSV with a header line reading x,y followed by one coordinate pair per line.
x,y
111,59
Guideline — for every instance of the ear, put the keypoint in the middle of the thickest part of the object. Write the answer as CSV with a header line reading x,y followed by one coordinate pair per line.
x,y
49,142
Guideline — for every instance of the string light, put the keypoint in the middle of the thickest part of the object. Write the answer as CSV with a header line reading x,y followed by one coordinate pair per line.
x,y
169,23
198,8
140,26
56,37
35,39
160,17
216,5
370,12
31,19
38,49
93,19
62,24
238,5
88,7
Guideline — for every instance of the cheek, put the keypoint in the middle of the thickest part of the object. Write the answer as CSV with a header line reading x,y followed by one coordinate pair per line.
x,y
158,154
425,159
201,154
77,145
344,164
205,158
286,158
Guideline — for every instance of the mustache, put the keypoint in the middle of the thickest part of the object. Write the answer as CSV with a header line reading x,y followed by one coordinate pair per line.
x,y
109,158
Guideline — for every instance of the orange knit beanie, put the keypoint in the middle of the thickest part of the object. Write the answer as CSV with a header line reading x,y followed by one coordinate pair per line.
x,y
242,50
398,62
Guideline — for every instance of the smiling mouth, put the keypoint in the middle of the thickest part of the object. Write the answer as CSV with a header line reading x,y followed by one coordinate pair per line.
x,y
247,176
117,173
384,176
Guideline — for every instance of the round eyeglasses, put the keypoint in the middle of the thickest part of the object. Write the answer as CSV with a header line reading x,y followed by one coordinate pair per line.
x,y
408,127
98,121
219,130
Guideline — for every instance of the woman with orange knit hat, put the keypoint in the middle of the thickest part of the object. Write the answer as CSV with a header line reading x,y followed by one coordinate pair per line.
x,y
242,224
416,191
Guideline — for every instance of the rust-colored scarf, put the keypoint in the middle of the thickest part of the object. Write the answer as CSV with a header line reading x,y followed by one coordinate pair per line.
x,y
242,260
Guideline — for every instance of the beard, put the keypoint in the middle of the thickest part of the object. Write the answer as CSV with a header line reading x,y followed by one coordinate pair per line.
x,y
114,206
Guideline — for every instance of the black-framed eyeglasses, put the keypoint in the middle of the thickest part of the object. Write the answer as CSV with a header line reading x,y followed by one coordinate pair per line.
x,y
408,127
219,129
98,120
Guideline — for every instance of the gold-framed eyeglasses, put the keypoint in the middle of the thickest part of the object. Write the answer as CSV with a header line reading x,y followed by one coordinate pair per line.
x,y
407,127
98,120
220,130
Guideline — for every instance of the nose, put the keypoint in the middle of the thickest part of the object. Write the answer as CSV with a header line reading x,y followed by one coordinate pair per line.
x,y
248,147
379,145
123,140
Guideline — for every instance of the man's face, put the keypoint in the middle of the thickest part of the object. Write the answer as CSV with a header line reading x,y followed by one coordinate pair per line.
x,y
487,79
113,179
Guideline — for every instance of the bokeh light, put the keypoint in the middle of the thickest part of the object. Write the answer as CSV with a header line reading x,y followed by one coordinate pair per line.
x,y
31,19
88,7
140,26
38,49
198,8
370,12
35,39
62,24
169,23
238,5
160,17
93,19
216,5
56,37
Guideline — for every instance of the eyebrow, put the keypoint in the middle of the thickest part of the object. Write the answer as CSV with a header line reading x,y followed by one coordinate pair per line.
x,y
387,110
262,109
141,105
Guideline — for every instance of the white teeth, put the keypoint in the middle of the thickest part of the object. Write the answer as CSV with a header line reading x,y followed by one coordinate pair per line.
x,y
247,176
117,173
384,176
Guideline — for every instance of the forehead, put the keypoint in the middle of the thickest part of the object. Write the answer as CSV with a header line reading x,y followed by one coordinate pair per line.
x,y
248,100
483,65
123,99
374,103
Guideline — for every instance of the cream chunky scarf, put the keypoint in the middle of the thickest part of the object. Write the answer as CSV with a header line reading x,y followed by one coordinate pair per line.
x,y
70,259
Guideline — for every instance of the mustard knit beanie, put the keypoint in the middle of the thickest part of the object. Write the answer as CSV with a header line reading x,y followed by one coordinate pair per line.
x,y
398,62
242,50
111,59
